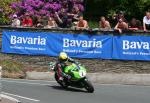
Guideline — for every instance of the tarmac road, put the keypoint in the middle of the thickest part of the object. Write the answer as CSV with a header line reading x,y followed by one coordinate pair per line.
x,y
38,91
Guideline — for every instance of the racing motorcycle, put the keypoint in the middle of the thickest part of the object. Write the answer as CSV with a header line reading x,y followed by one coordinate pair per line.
x,y
78,77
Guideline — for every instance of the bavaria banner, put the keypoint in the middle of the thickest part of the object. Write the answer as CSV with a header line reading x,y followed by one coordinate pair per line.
x,y
50,43
131,47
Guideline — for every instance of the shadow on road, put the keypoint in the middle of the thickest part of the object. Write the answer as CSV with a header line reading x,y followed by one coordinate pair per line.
x,y
68,89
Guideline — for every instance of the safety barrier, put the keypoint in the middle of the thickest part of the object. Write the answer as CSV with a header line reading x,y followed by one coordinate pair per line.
x,y
93,44
76,45
72,30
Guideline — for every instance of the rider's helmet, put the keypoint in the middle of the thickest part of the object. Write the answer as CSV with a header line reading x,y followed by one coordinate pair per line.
x,y
63,56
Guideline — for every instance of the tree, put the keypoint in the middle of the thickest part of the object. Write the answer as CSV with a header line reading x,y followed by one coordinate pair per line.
x,y
132,8
5,11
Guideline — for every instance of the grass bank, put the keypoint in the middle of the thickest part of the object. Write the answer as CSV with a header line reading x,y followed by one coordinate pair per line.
x,y
12,69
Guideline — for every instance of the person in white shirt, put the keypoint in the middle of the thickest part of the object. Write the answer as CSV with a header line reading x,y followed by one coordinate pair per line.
x,y
15,21
146,21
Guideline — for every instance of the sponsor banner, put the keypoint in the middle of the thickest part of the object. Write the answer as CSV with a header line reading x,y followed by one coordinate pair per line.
x,y
48,43
24,42
131,47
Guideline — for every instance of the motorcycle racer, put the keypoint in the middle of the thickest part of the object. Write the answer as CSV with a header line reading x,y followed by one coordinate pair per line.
x,y
61,64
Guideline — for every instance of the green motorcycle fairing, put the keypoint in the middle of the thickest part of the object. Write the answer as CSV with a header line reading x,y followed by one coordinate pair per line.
x,y
75,73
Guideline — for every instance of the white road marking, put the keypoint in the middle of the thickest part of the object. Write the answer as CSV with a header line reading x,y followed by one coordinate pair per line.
x,y
31,99
24,82
10,98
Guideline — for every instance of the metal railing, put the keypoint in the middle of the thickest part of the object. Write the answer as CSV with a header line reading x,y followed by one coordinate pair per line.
x,y
75,31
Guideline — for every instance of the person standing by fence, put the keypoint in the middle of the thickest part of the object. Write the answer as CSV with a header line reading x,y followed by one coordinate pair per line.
x,y
15,21
82,24
146,21
27,21
121,26
104,24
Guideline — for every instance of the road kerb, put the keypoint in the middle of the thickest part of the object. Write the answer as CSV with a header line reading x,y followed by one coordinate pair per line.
x,y
104,78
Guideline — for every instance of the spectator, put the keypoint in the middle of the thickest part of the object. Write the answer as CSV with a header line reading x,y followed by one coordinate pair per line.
x,y
63,19
39,22
74,15
104,24
27,21
121,25
51,23
118,16
82,24
134,24
45,20
15,21
146,21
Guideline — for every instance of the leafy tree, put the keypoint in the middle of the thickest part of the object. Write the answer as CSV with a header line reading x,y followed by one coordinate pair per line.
x,y
5,11
94,8
132,8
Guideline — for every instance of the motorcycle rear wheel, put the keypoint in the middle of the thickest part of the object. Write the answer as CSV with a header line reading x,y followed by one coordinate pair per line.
x,y
61,83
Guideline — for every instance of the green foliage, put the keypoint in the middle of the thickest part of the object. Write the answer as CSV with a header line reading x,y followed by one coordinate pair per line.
x,y
93,24
94,9
132,8
11,66
5,10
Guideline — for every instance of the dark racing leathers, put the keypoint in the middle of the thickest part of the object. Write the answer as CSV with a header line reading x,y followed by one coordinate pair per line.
x,y
60,65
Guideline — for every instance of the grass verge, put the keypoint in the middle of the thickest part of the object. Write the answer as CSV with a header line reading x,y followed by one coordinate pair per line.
x,y
12,69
